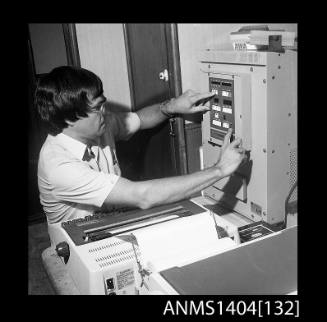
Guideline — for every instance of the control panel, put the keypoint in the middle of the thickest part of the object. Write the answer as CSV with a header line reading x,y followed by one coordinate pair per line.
x,y
222,116
255,95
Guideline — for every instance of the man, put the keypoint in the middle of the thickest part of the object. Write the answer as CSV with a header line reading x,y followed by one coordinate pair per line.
x,y
78,171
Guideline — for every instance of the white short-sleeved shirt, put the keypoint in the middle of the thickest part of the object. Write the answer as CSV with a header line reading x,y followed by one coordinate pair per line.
x,y
72,187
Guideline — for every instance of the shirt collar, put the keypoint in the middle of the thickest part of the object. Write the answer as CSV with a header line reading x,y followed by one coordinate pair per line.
x,y
74,146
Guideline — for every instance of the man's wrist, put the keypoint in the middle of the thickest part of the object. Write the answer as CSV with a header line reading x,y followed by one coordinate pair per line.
x,y
164,108
218,171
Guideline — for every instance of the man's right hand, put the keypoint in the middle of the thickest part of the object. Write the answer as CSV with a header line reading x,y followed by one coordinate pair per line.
x,y
231,155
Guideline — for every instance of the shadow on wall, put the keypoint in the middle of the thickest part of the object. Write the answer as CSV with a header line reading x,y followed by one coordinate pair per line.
x,y
233,185
133,155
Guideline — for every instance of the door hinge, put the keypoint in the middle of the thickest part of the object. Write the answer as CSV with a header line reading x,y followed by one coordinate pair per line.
x,y
171,126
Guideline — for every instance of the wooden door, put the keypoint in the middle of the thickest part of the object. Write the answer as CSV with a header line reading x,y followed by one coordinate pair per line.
x,y
40,63
149,153
36,137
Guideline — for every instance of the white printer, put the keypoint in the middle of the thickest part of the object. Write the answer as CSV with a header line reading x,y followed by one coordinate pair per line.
x,y
181,248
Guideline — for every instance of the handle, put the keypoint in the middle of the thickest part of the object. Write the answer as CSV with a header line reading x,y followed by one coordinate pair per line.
x,y
164,75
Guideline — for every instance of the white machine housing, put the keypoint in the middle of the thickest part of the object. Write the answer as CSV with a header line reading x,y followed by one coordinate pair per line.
x,y
264,115
130,263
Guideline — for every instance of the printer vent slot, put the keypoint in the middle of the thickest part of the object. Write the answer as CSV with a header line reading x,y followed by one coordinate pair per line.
x,y
113,253
116,261
106,246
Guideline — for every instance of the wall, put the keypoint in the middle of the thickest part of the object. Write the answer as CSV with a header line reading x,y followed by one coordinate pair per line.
x,y
49,50
195,37
192,39
102,50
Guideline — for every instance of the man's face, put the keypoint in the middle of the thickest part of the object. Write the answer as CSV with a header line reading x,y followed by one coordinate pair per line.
x,y
91,127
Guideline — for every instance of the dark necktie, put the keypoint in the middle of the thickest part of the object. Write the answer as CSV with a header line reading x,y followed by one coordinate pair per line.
x,y
88,155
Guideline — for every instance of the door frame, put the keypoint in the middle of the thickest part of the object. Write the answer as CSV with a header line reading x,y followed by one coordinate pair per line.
x,y
35,131
177,123
178,145
179,152
73,58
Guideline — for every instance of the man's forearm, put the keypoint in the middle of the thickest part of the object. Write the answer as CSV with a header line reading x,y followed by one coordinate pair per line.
x,y
147,194
167,190
184,104
151,116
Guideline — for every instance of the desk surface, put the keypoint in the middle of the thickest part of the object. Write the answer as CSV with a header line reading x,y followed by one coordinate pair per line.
x,y
267,266
56,270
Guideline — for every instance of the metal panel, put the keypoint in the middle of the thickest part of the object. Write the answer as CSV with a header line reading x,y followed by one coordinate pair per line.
x,y
267,126
281,129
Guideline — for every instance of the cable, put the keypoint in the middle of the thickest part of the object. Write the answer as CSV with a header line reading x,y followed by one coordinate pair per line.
x,y
286,203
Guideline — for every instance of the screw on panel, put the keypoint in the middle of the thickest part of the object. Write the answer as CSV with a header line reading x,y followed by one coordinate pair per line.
x,y
289,144
279,67
264,213
273,77
273,151
251,69
264,81
289,114
264,150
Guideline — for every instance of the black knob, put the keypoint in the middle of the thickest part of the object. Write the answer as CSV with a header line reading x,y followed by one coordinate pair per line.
x,y
62,250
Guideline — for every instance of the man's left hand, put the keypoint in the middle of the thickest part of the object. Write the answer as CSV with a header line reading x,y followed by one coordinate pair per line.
x,y
186,103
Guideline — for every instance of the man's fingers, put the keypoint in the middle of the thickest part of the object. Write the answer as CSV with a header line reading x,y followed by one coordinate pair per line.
x,y
227,137
244,156
197,97
236,143
200,108
240,150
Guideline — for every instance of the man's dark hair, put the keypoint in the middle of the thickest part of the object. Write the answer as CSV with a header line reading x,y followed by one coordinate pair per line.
x,y
63,94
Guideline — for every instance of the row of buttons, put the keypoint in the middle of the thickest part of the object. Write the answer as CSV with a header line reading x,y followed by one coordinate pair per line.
x,y
226,93
223,93
225,109
218,123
